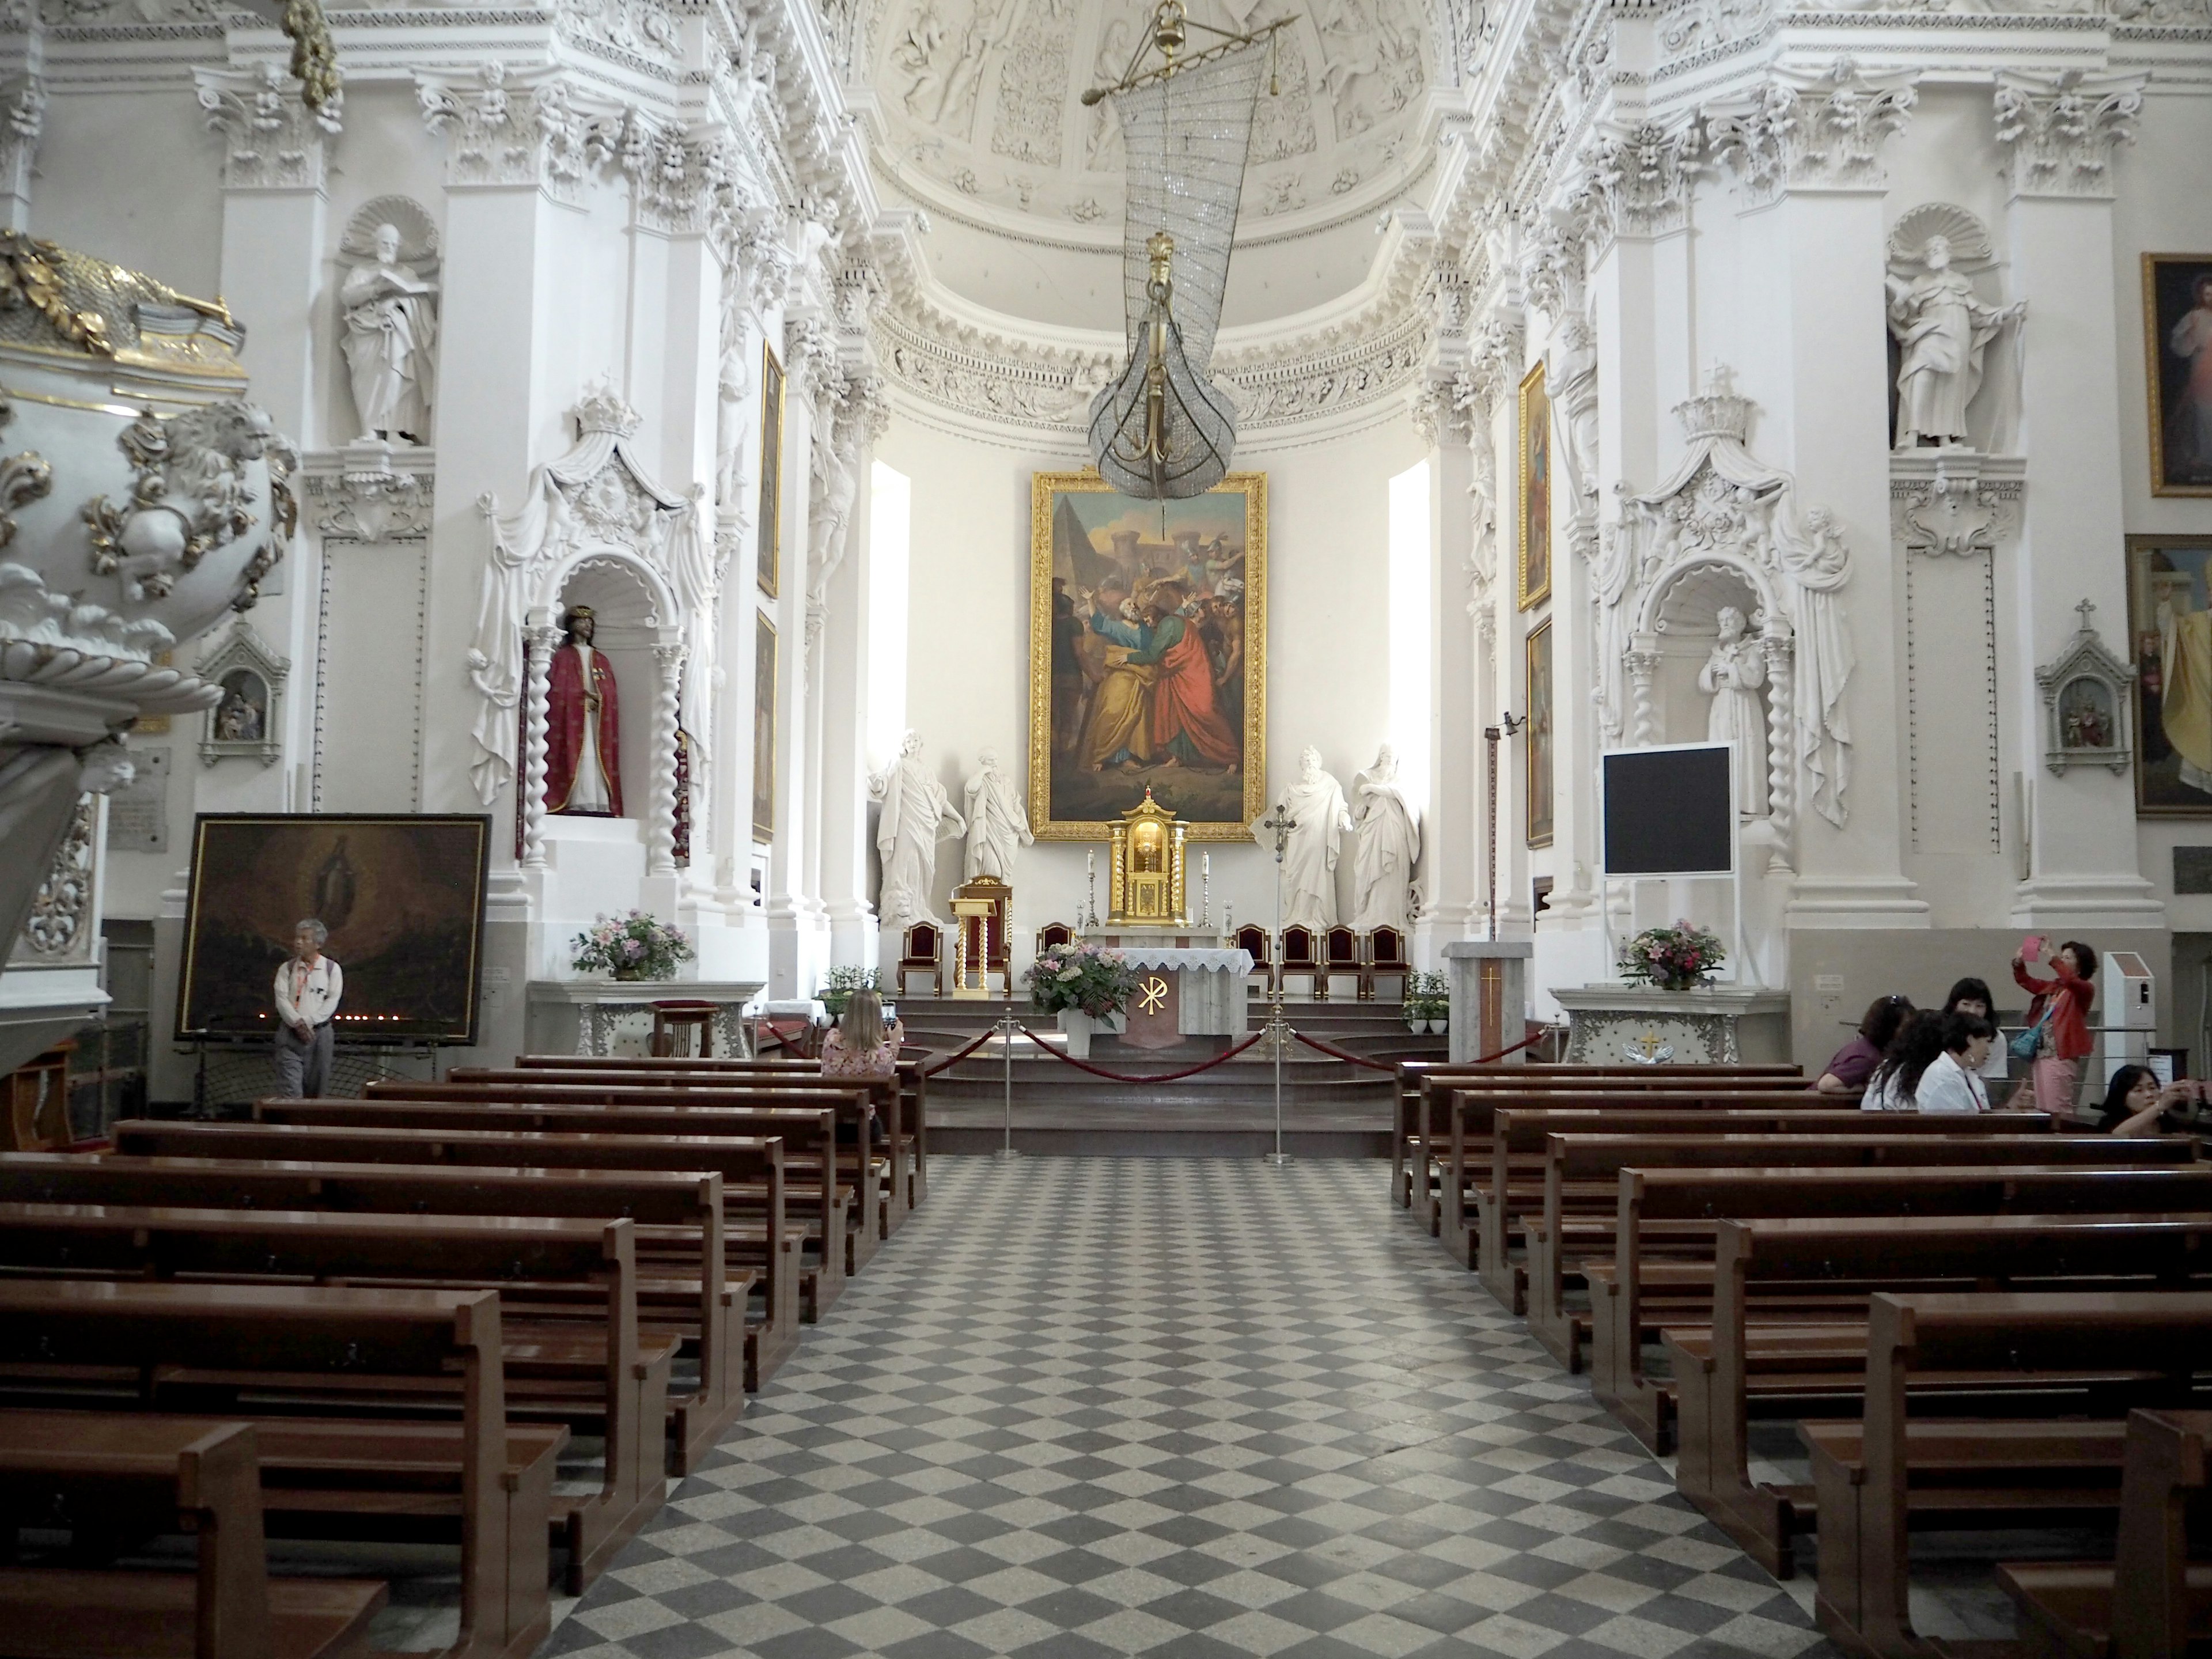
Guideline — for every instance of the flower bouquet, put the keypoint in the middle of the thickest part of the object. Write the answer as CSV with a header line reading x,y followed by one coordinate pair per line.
x,y
635,946
1677,958
837,989
1086,979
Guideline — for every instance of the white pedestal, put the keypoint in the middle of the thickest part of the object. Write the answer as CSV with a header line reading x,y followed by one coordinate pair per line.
x,y
577,1016
1489,997
1081,1027
1722,1024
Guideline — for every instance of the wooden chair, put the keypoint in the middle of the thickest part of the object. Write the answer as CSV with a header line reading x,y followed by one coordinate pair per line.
x,y
1341,959
677,1025
1299,953
38,1103
1052,933
922,952
1253,940
1384,953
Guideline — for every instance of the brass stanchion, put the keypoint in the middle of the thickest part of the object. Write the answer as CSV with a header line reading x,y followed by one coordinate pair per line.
x,y
1278,1029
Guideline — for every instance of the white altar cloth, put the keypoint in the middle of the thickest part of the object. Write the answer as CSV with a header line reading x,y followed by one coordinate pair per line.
x,y
1185,958
1210,1000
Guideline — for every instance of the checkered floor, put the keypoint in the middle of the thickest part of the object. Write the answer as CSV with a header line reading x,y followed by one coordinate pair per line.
x,y
1180,1407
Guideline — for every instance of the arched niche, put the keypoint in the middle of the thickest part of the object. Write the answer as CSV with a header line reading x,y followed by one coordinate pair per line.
x,y
626,608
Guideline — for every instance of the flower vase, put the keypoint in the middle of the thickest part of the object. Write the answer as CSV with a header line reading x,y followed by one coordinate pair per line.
x,y
1081,1027
630,976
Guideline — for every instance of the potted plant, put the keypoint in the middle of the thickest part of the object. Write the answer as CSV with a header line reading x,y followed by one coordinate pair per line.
x,y
632,947
837,989
1428,1002
1679,958
1087,985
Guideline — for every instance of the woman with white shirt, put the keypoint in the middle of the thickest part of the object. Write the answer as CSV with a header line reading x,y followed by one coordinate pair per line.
x,y
1935,1065
308,987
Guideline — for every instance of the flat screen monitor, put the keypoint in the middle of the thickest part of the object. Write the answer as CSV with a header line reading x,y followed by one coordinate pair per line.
x,y
1668,810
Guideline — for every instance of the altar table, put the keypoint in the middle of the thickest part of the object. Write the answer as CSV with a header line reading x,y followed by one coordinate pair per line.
x,y
1186,991
580,1014
1719,1025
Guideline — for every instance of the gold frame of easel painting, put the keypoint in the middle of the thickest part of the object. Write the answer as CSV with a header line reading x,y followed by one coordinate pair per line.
x,y
1533,496
771,557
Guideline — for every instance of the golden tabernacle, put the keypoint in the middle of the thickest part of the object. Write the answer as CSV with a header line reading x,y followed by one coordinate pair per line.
x,y
1146,869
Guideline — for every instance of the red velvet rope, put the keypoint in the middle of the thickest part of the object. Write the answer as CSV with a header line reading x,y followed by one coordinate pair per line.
x,y
1165,1077
1335,1053
954,1060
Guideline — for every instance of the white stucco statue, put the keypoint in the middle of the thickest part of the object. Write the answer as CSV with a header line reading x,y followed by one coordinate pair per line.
x,y
733,393
1732,677
1943,331
1316,804
1386,845
391,330
998,822
917,815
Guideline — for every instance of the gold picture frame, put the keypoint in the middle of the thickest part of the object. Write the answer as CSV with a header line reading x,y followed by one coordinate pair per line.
x,y
1542,782
771,561
764,646
2177,335
1203,751
1534,498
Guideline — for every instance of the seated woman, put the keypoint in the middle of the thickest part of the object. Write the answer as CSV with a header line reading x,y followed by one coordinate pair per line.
x,y
858,1045
1971,996
2135,1103
1933,1066
1855,1061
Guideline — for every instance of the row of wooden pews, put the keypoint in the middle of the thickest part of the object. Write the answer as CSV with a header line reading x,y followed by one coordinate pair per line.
x,y
1976,1324
493,1312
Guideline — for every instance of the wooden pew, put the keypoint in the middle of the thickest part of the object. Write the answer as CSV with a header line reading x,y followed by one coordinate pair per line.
x,y
1884,1476
1818,1353
809,1138
57,1338
200,1478
679,1219
859,1166
870,1115
1576,1186
2152,1601
571,1357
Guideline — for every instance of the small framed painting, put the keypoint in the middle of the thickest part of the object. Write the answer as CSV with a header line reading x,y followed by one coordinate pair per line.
x,y
1535,422
1539,734
771,472
763,727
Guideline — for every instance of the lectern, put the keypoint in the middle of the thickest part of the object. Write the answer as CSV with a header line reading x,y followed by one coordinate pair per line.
x,y
979,910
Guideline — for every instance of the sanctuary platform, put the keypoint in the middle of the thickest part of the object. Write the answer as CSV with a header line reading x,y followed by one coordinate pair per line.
x,y
1331,1107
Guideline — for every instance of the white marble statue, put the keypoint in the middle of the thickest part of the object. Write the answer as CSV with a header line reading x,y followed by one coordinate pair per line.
x,y
998,822
1943,331
1316,804
1731,677
733,395
1386,845
391,330
917,815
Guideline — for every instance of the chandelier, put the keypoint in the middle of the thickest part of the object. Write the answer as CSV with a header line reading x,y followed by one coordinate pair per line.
x,y
1162,428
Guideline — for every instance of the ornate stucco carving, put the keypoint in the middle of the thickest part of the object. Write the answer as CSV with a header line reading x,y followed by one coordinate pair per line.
x,y
1800,132
2060,131
349,502
272,139
58,927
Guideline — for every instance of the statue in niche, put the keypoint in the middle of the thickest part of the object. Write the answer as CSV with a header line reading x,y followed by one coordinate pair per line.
x,y
917,814
1386,845
1732,678
998,822
1315,803
733,391
583,757
390,330
1944,332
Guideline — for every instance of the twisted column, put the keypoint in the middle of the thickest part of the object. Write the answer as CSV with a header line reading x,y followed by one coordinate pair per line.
x,y
537,645
1643,718
660,830
1781,723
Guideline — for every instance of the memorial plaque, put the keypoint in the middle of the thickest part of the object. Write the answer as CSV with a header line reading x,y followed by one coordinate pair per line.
x,y
138,814
2192,869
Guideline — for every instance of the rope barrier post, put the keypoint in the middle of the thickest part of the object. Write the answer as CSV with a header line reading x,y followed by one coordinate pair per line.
x,y
1278,1029
1006,1041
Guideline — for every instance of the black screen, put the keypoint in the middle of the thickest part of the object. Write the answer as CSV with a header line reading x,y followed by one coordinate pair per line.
x,y
1668,813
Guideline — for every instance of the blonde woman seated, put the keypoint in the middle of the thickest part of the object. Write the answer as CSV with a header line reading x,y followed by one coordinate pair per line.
x,y
858,1045
1933,1066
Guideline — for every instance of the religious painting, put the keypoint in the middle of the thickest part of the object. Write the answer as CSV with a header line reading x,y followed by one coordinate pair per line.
x,y
1535,497
403,897
763,727
771,472
1148,656
2177,325
2170,637
1538,735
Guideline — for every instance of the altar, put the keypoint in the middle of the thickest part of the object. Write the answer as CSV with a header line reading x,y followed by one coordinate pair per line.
x,y
1187,985
581,1015
1715,1025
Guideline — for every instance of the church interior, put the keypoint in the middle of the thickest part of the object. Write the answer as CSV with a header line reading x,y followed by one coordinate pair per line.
x,y
1069,827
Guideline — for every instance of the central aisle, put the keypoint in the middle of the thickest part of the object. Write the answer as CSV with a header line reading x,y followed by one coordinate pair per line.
x,y
1180,1407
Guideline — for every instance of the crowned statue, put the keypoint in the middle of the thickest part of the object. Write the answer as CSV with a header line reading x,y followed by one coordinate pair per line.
x,y
391,329
583,762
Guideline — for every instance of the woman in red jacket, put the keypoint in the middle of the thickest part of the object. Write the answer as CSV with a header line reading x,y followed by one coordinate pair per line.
x,y
2055,1081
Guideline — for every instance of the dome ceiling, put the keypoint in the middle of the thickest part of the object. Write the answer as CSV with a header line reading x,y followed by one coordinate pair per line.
x,y
982,119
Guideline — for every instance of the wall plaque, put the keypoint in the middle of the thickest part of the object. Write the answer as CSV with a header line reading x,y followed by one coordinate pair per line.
x,y
138,814
2192,869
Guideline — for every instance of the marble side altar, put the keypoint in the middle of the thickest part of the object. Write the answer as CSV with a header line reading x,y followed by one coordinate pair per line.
x,y
1208,991
1720,1025
579,1015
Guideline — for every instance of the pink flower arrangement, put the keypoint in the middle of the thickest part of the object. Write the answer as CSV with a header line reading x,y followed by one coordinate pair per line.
x,y
635,946
1089,978
1677,958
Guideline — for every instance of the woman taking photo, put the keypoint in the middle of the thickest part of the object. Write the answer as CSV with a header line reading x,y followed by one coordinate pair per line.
x,y
1933,1066
2135,1102
858,1045
2061,1014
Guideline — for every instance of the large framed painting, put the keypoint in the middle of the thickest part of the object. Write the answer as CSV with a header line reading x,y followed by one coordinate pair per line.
x,y
1541,776
403,897
1535,491
770,559
763,727
2170,634
1148,656
2177,326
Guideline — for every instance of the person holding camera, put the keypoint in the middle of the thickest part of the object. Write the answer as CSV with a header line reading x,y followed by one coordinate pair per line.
x,y
2135,1103
2059,1018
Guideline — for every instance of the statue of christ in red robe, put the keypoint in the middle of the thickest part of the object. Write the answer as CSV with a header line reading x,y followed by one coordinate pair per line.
x,y
583,762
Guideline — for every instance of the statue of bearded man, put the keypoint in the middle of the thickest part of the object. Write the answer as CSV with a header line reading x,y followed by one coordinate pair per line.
x,y
998,822
916,811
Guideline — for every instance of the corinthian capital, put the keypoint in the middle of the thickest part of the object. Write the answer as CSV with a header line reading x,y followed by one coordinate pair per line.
x,y
1818,132
502,127
272,139
1639,176
2061,130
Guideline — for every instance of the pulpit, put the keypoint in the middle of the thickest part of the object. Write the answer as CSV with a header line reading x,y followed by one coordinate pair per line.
x,y
1146,887
979,949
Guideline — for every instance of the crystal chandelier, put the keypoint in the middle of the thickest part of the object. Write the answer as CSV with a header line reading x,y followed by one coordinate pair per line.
x,y
1163,429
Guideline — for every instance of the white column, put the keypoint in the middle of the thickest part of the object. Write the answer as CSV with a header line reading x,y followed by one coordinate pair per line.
x,y
848,640
660,820
1451,840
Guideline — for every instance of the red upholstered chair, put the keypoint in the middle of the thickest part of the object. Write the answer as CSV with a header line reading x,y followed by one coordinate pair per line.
x,y
1052,933
1339,958
1386,955
923,952
1298,954
1252,939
